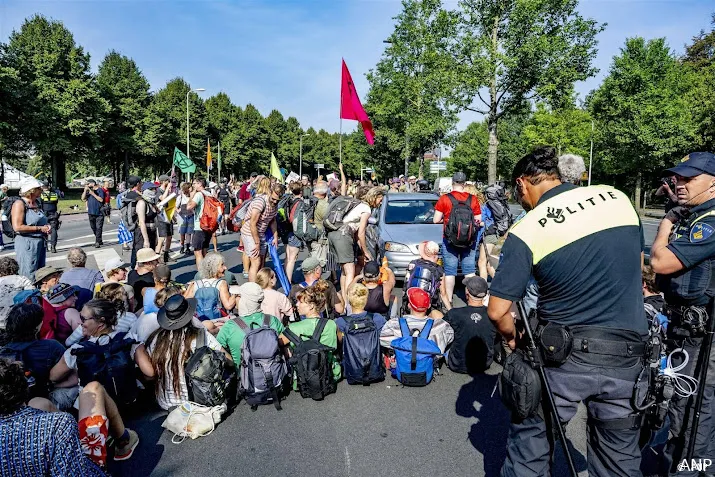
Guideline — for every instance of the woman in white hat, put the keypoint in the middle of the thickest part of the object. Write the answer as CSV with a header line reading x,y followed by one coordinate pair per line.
x,y
31,228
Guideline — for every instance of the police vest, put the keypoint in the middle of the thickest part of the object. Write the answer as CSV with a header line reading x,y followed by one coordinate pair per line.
x,y
573,215
49,201
692,286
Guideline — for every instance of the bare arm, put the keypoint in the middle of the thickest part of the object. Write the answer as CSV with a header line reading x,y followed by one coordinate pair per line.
x,y
141,357
437,219
361,234
343,181
141,216
500,312
60,371
18,217
227,300
190,290
388,286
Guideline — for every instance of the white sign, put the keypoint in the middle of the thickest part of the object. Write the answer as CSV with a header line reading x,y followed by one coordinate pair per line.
x,y
331,176
292,177
319,166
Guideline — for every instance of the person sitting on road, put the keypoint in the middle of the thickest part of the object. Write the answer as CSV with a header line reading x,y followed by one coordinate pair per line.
x,y
171,346
378,300
212,269
35,441
21,342
232,335
474,334
115,270
358,299
274,302
426,273
571,168
312,272
147,323
651,294
311,303
162,277
418,303
46,278
78,274
64,298
143,277
9,275
99,319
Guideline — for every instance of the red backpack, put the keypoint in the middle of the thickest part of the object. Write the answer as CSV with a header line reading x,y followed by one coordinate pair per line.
x,y
211,214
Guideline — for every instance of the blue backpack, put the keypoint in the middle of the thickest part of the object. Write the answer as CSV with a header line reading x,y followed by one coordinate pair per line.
x,y
207,301
414,355
362,361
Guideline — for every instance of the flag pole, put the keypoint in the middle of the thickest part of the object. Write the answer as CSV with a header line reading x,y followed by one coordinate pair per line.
x,y
340,142
219,162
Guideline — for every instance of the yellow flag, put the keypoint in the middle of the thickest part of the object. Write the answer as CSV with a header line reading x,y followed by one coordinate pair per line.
x,y
275,170
170,209
208,156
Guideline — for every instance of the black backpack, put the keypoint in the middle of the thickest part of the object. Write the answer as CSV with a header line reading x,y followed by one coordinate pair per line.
x,y
497,203
362,359
39,386
337,210
311,363
111,365
6,210
461,231
128,212
208,376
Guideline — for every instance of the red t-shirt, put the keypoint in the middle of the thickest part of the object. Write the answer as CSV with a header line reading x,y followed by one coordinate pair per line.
x,y
243,193
444,204
107,198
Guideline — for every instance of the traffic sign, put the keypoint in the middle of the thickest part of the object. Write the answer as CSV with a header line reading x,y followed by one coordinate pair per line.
x,y
319,166
436,166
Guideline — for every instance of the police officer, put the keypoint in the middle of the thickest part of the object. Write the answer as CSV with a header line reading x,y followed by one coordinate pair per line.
x,y
50,198
583,247
683,255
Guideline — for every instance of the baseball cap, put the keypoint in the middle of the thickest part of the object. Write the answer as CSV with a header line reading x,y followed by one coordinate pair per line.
x,y
477,286
694,164
91,182
254,174
164,178
61,292
45,272
148,185
459,177
371,269
113,264
251,295
419,299
132,181
309,264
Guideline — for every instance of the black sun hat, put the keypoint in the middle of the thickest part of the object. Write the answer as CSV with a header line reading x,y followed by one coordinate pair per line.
x,y
176,312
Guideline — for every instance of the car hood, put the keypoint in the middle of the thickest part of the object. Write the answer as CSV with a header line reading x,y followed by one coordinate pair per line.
x,y
411,234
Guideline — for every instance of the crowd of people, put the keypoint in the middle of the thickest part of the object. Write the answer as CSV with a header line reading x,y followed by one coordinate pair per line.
x,y
333,320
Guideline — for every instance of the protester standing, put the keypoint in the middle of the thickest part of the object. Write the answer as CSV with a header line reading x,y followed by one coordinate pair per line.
x,y
107,207
50,198
164,225
463,253
260,216
186,229
94,196
31,228
145,234
683,256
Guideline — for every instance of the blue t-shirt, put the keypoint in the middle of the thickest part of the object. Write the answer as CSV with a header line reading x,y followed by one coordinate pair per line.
x,y
38,356
376,317
94,206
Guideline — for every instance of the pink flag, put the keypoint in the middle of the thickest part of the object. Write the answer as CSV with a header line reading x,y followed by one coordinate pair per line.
x,y
351,107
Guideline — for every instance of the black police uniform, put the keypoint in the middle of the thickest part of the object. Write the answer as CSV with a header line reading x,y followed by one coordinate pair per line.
x,y
687,294
50,199
583,247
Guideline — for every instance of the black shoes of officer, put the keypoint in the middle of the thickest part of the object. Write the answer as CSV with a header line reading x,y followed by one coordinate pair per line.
x,y
53,249
97,245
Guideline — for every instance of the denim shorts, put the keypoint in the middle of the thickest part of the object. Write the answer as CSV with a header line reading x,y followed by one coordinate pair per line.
x,y
453,257
294,241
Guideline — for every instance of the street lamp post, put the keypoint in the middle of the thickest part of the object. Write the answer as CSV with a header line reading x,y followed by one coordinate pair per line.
x,y
300,167
188,154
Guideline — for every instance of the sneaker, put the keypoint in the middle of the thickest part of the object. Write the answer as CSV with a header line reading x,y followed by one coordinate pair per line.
x,y
245,275
125,450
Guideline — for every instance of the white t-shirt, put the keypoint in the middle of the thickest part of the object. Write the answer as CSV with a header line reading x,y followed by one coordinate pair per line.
x,y
198,199
168,398
17,281
352,219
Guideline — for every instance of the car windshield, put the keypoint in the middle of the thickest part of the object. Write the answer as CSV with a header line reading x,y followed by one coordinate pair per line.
x,y
414,211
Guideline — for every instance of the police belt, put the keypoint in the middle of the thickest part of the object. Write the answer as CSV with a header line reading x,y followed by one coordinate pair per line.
x,y
596,342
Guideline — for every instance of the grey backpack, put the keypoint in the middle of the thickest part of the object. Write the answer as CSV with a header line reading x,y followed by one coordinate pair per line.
x,y
263,371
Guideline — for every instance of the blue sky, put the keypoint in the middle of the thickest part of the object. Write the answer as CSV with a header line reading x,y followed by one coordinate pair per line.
x,y
285,55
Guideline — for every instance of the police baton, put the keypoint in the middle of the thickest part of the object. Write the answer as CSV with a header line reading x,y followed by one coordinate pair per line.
x,y
538,364
704,358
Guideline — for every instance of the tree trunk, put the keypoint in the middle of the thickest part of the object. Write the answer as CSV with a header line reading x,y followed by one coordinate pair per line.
x,y
637,201
420,174
492,151
59,171
126,166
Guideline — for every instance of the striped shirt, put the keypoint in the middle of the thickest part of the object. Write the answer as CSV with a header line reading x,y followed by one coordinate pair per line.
x,y
268,211
37,443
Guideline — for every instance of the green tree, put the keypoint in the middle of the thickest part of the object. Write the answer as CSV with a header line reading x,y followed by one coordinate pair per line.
x,y
568,129
642,114
62,111
125,88
411,100
510,51
699,59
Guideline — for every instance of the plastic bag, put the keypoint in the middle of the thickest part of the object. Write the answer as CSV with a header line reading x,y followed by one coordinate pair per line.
x,y
193,420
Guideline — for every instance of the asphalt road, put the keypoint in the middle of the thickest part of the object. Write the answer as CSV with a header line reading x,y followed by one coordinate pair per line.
x,y
456,426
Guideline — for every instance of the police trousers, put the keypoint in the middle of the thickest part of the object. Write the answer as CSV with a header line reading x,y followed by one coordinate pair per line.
x,y
681,412
54,220
605,385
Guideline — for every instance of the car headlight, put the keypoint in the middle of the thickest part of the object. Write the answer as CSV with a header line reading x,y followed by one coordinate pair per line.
x,y
396,247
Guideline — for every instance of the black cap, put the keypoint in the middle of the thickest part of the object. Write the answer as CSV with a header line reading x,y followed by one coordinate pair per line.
x,y
254,174
459,177
164,178
694,164
371,269
132,181
477,286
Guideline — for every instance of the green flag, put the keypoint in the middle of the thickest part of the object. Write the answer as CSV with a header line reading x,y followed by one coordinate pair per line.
x,y
184,163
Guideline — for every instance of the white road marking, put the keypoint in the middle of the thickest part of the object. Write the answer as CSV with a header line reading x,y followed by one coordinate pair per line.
x,y
347,462
101,256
